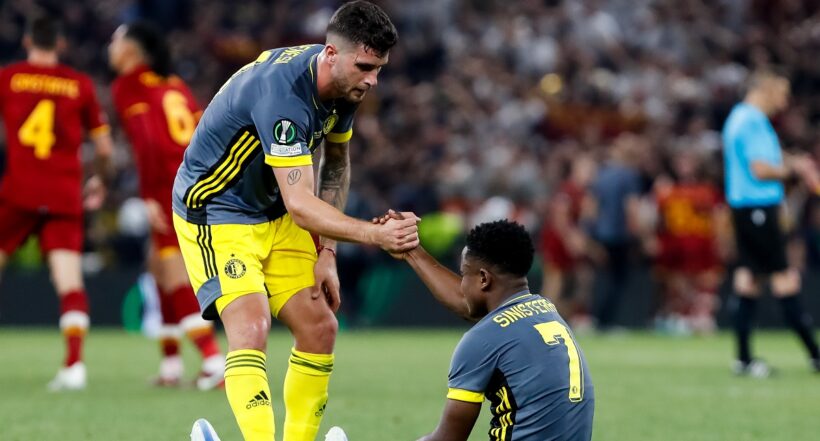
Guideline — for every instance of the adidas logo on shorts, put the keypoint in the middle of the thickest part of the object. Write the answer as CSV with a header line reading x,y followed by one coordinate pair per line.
x,y
261,399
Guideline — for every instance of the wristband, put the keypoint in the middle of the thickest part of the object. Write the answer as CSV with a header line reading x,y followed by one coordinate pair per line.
x,y
321,248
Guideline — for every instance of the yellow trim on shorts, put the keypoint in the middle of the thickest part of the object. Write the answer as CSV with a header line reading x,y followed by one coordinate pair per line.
x,y
465,395
224,300
278,301
339,138
288,161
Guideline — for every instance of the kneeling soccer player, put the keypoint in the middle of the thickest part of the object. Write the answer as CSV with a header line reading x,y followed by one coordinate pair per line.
x,y
521,355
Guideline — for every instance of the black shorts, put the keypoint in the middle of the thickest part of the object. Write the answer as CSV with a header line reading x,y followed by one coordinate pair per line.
x,y
761,244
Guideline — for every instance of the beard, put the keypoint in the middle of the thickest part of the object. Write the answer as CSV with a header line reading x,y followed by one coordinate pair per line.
x,y
356,95
350,92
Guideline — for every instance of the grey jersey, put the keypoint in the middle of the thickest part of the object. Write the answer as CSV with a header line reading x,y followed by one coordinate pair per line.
x,y
268,114
523,358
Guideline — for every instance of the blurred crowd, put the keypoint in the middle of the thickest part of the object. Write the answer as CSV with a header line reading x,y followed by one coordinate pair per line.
x,y
588,121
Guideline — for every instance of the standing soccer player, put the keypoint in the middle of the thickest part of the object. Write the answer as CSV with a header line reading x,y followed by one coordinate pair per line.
x,y
567,273
159,115
688,263
755,167
46,106
244,210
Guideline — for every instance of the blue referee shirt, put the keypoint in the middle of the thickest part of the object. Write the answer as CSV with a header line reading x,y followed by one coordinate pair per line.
x,y
749,136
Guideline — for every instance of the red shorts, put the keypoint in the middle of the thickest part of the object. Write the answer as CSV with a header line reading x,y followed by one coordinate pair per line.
x,y
555,251
166,243
688,254
56,231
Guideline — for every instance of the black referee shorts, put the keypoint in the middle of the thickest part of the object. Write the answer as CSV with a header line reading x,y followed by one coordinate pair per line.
x,y
761,244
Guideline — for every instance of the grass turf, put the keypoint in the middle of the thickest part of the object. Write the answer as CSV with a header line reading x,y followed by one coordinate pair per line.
x,y
390,385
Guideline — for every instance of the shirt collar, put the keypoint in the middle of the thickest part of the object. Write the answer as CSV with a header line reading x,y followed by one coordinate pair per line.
x,y
313,68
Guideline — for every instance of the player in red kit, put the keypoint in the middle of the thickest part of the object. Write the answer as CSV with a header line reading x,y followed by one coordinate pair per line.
x,y
46,108
689,266
564,244
159,115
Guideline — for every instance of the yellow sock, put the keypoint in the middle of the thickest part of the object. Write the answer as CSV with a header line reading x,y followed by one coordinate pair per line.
x,y
246,384
306,394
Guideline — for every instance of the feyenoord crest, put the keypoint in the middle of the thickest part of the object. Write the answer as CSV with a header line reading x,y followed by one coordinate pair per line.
x,y
284,131
235,268
330,122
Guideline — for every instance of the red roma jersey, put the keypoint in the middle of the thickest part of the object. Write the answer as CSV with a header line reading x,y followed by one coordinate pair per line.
x,y
159,116
46,111
686,210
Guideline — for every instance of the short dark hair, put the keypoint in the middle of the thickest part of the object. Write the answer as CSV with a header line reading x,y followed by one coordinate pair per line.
x,y
362,22
152,42
44,31
503,244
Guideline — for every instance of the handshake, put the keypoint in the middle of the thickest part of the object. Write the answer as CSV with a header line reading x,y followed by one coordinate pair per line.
x,y
397,232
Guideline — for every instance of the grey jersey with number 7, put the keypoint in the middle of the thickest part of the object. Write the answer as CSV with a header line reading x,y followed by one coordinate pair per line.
x,y
523,358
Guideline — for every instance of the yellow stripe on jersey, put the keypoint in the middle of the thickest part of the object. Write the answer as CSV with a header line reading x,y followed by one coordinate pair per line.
x,y
135,109
231,173
224,172
104,129
288,161
199,186
465,395
339,138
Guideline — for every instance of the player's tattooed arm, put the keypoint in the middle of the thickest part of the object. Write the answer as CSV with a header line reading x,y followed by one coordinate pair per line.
x,y
334,178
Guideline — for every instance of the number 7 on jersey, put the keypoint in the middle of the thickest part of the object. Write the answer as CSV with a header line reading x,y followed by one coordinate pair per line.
x,y
556,333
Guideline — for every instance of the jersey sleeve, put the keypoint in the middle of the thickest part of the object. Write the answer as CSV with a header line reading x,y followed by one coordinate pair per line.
x,y
470,370
94,119
282,125
754,142
342,131
134,116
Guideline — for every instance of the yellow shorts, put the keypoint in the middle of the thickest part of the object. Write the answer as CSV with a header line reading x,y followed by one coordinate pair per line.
x,y
227,261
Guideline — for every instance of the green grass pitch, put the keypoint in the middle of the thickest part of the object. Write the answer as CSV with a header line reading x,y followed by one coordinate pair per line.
x,y
390,385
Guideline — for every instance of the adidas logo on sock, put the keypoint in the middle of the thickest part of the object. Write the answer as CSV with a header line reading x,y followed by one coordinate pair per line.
x,y
321,410
261,399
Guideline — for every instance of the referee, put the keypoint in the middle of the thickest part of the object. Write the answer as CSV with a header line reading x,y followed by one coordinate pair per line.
x,y
755,169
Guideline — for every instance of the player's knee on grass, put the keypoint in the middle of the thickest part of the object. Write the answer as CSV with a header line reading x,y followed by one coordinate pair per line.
x,y
247,322
66,271
3,260
786,283
744,283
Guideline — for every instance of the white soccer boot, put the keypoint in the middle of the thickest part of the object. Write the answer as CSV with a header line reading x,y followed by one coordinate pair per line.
x,y
336,434
755,369
212,374
170,372
203,431
69,378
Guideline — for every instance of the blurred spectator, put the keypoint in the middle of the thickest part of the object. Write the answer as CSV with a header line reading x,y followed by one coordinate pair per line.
x,y
486,98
